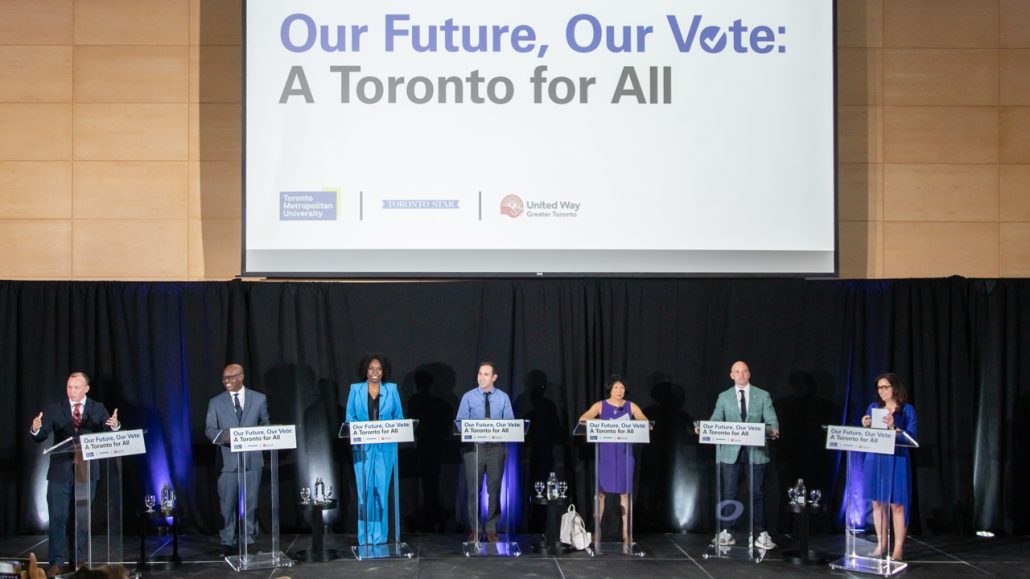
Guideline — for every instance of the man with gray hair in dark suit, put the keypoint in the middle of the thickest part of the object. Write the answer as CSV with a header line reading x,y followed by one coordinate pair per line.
x,y
238,406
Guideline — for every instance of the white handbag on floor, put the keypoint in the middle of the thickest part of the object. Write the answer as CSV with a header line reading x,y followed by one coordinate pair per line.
x,y
574,530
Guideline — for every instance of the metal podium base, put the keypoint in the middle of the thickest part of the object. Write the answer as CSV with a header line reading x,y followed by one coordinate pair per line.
x,y
734,552
487,549
616,549
870,565
385,551
259,561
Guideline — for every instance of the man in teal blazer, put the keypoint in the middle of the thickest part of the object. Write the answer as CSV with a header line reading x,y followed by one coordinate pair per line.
x,y
745,403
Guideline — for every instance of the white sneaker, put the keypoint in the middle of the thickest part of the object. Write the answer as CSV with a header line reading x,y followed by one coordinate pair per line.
x,y
764,541
723,538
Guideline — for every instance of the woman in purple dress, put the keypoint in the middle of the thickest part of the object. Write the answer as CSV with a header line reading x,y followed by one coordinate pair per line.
x,y
888,479
615,460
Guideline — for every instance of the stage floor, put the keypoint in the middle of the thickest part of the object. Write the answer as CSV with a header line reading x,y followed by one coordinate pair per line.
x,y
668,555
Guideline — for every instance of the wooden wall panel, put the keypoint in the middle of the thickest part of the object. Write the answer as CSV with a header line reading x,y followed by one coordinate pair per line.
x,y
35,74
860,23
940,77
131,132
131,74
1015,135
215,75
859,191
940,23
940,192
933,138
861,249
129,248
1014,77
940,135
940,249
37,248
35,22
35,132
35,189
214,248
1015,24
215,132
1015,192
860,134
131,22
216,22
1015,249
131,189
215,190
859,76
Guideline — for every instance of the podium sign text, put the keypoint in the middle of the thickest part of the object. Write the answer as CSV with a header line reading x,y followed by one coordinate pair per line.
x,y
111,444
377,431
736,433
273,437
638,431
874,440
493,431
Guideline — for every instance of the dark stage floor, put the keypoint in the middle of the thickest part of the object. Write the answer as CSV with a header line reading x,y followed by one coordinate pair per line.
x,y
939,557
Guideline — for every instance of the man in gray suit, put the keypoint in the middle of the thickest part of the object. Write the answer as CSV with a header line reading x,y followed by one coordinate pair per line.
x,y
745,403
237,406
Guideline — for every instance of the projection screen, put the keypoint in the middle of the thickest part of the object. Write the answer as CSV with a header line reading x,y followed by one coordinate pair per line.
x,y
443,138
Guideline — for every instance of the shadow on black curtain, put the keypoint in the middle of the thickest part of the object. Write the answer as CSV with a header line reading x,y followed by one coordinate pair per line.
x,y
544,440
669,485
802,447
436,454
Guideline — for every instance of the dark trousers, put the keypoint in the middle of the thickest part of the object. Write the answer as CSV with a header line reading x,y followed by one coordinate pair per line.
x,y
491,461
228,495
731,475
59,499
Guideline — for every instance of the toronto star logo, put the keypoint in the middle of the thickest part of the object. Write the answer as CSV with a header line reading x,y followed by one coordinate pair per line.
x,y
511,206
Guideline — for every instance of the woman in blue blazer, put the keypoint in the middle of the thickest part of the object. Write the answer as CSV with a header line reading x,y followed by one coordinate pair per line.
x,y
373,399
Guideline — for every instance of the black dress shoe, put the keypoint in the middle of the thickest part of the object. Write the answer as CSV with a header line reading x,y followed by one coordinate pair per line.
x,y
228,551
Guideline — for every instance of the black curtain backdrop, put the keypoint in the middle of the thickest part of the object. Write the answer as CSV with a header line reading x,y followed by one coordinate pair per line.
x,y
155,351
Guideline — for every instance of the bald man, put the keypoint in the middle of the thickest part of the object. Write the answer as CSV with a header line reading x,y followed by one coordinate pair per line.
x,y
236,407
745,403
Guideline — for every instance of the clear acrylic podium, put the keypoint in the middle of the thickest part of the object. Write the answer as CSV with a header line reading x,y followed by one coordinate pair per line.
x,y
620,456
505,547
728,513
366,512
98,539
244,560
860,550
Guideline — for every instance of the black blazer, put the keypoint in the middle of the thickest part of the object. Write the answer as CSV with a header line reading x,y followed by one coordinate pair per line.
x,y
57,418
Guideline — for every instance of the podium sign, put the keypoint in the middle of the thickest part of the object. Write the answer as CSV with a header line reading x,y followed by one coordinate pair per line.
x,y
274,437
111,444
493,430
632,431
735,433
377,431
874,440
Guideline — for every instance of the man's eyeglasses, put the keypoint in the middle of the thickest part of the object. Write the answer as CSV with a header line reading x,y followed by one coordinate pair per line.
x,y
229,377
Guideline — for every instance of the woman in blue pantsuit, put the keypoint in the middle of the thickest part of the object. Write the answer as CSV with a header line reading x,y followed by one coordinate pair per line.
x,y
374,399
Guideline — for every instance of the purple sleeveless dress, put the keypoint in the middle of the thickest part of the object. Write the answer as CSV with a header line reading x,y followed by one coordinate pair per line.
x,y
615,459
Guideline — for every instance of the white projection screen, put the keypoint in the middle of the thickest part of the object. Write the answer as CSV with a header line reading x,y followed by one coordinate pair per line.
x,y
451,138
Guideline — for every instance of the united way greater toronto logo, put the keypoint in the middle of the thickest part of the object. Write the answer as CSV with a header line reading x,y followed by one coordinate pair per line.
x,y
511,206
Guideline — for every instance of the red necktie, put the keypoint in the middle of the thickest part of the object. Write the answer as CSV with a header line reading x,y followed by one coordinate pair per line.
x,y
77,416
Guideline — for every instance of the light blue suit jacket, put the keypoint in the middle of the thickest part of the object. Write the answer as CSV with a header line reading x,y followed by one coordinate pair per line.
x,y
389,402
760,409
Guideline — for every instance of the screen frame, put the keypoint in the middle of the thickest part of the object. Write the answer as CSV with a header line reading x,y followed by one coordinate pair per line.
x,y
245,273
